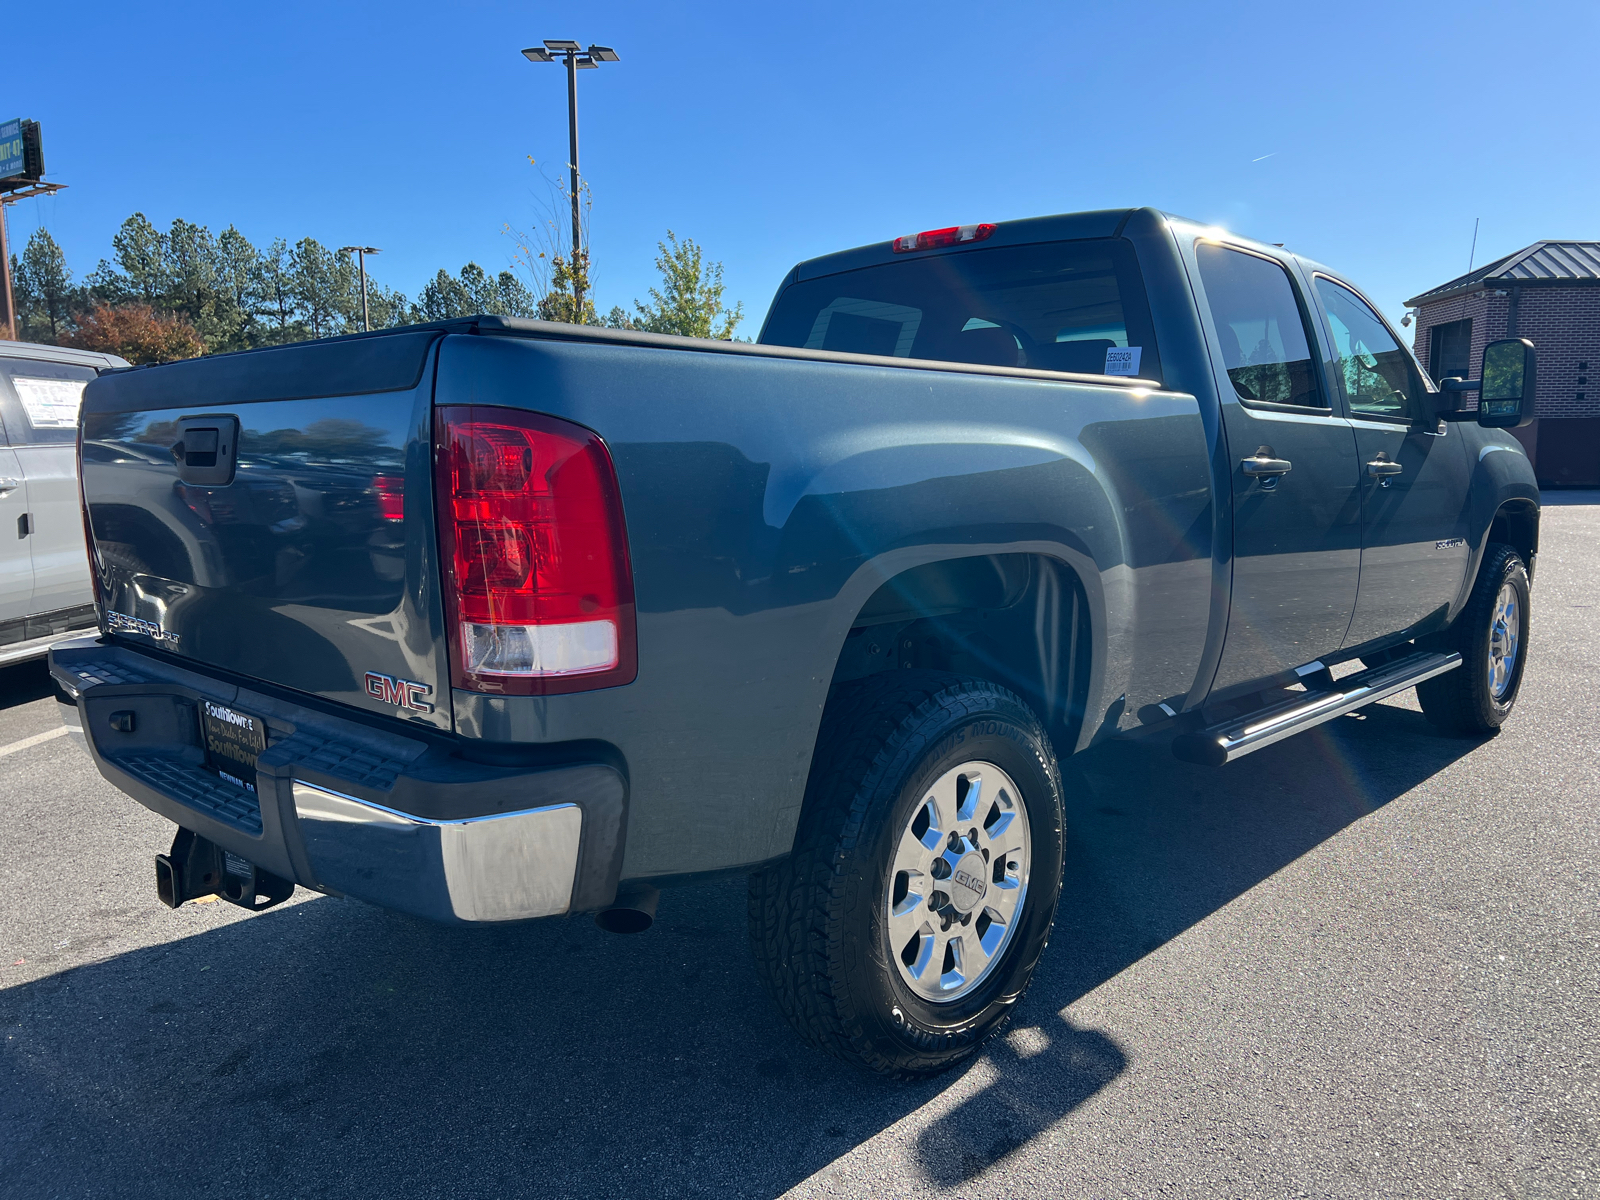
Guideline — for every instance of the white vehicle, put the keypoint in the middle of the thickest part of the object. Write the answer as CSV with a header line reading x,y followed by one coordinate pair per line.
x,y
45,591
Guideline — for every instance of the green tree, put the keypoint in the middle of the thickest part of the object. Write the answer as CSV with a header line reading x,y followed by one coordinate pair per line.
x,y
324,288
513,298
142,254
193,291
689,301
444,298
272,278
387,306
474,291
43,289
239,301
560,302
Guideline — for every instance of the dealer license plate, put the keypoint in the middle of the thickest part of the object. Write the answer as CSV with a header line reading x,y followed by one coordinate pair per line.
x,y
233,740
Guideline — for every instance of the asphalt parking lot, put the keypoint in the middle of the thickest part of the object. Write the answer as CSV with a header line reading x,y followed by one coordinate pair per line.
x,y
1364,962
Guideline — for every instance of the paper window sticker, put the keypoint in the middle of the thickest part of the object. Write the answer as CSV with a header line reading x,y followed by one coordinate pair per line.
x,y
1122,360
50,403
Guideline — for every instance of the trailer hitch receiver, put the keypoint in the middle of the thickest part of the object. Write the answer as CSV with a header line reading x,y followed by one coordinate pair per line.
x,y
195,867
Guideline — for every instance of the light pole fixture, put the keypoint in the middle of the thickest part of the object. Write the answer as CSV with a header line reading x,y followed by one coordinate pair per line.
x,y
361,252
577,59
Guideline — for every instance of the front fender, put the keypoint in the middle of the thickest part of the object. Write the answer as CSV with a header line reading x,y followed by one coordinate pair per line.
x,y
1501,475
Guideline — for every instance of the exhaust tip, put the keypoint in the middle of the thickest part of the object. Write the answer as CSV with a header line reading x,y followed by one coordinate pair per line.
x,y
633,912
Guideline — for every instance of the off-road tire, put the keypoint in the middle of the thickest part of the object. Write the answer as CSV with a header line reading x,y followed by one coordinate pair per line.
x,y
1463,700
816,923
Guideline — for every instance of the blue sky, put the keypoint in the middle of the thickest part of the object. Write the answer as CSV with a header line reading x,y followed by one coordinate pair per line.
x,y
1366,135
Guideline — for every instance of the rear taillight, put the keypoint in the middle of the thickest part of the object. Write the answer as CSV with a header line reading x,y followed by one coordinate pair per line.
x,y
538,588
932,239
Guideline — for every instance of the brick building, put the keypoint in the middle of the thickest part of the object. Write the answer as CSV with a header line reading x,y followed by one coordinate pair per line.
x,y
1548,293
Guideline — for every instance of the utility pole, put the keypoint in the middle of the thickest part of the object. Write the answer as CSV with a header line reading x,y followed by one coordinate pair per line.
x,y
361,253
577,59
21,176
8,315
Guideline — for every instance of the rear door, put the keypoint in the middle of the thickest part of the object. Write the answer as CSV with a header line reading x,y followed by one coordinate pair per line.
x,y
1296,534
40,401
1415,475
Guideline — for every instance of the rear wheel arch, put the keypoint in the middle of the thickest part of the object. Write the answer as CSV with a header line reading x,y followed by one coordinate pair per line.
x,y
1023,620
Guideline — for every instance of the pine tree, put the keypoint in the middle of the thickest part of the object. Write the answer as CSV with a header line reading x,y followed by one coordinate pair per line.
x,y
42,288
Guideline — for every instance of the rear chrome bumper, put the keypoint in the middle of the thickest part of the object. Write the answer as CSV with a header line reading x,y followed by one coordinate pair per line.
x,y
501,868
353,808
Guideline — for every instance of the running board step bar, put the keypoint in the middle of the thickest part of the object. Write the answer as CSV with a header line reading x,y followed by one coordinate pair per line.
x,y
1234,739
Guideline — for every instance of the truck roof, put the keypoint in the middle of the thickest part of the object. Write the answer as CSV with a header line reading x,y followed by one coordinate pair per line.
x,y
43,352
1058,228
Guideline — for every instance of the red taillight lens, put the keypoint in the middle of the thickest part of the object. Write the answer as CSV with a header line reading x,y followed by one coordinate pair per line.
x,y
391,493
932,239
539,593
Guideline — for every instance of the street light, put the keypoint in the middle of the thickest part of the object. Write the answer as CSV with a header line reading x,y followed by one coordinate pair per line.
x,y
361,252
577,59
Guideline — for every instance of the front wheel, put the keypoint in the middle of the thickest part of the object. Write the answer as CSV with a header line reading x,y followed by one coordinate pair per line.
x,y
924,881
1492,636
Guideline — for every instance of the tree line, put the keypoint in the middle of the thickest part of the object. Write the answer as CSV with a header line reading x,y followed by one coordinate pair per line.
x,y
183,292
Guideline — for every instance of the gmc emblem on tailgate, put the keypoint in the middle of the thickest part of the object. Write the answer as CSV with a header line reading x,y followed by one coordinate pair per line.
x,y
402,693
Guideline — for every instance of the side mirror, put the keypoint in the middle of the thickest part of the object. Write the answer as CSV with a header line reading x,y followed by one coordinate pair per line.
x,y
1505,398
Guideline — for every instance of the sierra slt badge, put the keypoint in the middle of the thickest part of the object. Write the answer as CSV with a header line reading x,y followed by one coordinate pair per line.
x,y
123,623
402,693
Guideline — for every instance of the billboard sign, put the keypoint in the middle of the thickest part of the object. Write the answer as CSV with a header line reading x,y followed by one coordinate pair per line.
x,y
12,159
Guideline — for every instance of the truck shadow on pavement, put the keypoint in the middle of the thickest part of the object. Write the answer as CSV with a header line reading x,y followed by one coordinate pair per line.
x,y
329,1048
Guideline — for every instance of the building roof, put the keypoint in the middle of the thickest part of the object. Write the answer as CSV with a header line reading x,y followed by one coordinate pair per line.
x,y
1547,264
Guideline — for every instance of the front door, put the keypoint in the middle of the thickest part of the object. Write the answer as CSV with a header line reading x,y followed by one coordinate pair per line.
x,y
1415,476
1296,500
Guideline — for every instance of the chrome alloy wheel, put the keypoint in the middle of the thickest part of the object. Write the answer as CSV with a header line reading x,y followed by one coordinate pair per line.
x,y
958,880
1505,635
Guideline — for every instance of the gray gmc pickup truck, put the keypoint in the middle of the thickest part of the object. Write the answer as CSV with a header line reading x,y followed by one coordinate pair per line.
x,y
494,619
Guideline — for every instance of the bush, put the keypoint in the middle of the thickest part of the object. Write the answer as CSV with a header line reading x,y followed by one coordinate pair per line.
x,y
135,332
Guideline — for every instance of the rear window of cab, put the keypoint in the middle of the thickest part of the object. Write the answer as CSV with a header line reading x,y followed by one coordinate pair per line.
x,y
1055,306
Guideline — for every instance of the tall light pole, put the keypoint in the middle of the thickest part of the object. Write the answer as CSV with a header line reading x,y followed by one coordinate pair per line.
x,y
577,59
361,252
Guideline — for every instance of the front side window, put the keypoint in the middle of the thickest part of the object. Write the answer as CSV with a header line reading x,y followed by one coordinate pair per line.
x,y
1056,306
41,404
1263,335
1377,376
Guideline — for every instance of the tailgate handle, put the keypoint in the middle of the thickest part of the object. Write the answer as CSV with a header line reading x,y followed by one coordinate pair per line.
x,y
206,449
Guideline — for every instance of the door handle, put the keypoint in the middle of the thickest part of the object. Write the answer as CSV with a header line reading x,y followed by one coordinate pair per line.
x,y
1383,468
1261,465
9,485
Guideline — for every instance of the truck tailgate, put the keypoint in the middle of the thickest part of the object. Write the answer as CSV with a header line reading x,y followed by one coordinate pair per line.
x,y
271,514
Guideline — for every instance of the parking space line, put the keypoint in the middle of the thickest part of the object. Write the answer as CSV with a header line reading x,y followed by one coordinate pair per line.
x,y
33,741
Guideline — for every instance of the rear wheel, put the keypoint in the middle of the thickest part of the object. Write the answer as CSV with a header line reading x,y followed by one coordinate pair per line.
x,y
925,876
1491,635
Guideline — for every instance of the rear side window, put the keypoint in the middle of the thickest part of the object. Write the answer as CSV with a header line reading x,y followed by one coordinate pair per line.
x,y
1262,330
1054,306
39,401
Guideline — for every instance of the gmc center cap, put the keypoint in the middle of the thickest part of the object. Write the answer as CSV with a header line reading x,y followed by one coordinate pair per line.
x,y
967,885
